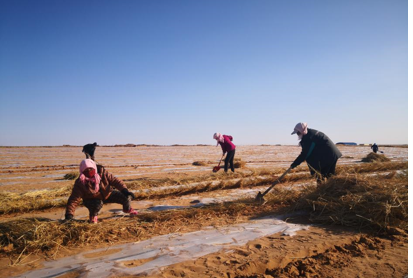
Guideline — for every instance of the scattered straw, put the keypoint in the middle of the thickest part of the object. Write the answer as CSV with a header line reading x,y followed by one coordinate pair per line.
x,y
371,202
34,235
44,199
71,176
239,164
200,163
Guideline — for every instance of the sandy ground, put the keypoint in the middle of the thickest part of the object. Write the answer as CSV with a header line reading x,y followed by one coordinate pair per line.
x,y
319,251
33,168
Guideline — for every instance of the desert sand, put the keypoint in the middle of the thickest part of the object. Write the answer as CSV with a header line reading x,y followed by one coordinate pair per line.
x,y
248,244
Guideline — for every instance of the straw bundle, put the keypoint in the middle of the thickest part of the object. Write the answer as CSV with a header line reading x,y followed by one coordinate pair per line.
x,y
238,163
374,157
71,176
365,202
200,163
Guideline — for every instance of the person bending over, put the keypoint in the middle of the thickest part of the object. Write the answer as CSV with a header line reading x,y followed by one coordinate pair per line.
x,y
227,147
89,150
320,153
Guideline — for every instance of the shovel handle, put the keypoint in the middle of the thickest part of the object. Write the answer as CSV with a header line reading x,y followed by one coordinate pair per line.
x,y
277,181
220,160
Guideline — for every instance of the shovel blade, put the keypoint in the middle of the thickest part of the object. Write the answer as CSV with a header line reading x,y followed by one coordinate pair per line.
x,y
259,198
216,169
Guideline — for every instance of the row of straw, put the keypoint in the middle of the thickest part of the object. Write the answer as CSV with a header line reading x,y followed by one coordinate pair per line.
x,y
369,203
45,199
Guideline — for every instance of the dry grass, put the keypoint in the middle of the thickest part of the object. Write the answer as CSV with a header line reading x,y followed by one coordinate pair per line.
x,y
374,157
33,200
366,202
147,183
23,237
44,199
378,203
200,163
371,167
71,176
239,164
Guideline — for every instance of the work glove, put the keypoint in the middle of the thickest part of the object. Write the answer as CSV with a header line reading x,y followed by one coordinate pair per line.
x,y
127,193
293,165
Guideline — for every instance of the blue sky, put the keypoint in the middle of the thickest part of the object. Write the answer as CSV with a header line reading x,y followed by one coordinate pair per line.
x,y
174,72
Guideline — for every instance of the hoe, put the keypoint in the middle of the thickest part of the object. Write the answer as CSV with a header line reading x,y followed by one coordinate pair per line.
x,y
260,196
216,168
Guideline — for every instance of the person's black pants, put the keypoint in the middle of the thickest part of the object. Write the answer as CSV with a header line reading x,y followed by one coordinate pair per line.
x,y
229,159
324,173
95,205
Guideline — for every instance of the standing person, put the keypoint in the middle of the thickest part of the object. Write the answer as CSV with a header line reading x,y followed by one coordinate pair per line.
x,y
94,187
318,150
227,147
375,148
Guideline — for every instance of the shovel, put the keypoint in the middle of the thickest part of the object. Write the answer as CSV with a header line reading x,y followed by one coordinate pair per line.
x,y
260,196
216,168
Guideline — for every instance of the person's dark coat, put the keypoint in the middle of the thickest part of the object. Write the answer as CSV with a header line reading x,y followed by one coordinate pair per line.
x,y
318,150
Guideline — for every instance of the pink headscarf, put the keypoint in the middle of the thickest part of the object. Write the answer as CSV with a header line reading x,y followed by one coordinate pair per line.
x,y
89,163
218,136
302,128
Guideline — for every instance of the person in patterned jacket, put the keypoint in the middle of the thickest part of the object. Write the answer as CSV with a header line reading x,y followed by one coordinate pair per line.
x,y
94,187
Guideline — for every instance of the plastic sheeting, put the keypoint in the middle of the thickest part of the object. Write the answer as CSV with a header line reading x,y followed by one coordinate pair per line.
x,y
163,250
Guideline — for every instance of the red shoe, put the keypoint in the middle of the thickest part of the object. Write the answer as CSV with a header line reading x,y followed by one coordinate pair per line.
x,y
93,219
131,211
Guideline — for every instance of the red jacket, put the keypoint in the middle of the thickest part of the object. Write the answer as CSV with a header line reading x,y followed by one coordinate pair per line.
x,y
227,146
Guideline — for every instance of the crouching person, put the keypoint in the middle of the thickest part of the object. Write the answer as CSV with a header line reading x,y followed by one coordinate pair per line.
x,y
94,187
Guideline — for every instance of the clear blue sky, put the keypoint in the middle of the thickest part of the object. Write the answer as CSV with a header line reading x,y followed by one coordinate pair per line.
x,y
174,72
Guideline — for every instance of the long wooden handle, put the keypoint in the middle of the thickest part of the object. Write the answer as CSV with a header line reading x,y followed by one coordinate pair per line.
x,y
277,181
220,160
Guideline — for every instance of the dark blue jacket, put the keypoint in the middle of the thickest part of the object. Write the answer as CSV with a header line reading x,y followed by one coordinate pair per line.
x,y
318,150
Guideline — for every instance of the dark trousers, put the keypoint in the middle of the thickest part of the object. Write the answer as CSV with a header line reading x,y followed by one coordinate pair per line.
x,y
95,205
229,159
324,173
